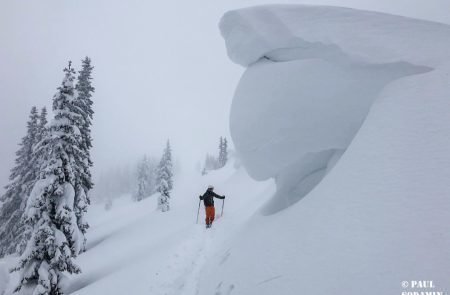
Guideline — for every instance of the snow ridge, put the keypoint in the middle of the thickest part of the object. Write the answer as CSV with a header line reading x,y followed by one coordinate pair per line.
x,y
310,85
347,111
255,32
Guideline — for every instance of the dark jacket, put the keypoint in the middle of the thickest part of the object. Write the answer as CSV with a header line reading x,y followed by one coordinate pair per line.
x,y
208,198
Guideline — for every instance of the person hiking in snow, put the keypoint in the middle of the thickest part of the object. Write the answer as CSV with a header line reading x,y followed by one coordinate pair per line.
x,y
208,200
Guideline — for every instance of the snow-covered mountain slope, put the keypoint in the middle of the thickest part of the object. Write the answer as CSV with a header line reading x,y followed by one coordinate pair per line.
x,y
348,111
134,249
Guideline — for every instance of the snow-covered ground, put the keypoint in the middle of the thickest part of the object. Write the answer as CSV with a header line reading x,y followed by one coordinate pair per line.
x,y
137,250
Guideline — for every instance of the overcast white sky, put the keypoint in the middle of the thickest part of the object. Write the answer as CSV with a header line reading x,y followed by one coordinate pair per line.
x,y
161,69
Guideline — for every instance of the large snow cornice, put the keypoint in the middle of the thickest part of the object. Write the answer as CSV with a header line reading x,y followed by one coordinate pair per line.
x,y
257,32
349,109
313,75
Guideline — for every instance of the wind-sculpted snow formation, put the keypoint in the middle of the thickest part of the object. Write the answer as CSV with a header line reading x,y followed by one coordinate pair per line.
x,y
313,74
348,111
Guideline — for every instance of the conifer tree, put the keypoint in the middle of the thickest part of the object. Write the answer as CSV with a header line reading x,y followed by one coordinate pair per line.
x,y
56,238
223,152
36,160
220,158
164,179
14,199
25,153
145,175
83,107
42,125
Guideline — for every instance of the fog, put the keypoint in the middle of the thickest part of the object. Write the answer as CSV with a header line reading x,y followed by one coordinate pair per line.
x,y
161,70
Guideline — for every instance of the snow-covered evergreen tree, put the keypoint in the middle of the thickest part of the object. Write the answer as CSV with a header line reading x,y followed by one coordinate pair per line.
x,y
84,103
56,238
20,172
164,197
141,182
165,179
36,160
42,125
220,157
83,107
23,175
145,179
223,152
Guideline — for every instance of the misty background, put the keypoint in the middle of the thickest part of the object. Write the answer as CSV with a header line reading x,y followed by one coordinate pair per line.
x,y
161,70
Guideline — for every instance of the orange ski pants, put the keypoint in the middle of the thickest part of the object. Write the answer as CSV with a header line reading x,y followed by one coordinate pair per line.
x,y
210,214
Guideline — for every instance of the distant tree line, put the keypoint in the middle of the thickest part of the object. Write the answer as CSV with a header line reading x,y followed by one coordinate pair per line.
x,y
149,176
44,206
219,161
146,178
153,177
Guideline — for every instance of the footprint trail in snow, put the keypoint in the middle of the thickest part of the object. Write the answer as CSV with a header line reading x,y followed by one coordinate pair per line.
x,y
181,274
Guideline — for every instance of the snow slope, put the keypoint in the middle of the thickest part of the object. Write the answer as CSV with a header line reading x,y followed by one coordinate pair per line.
x,y
134,249
348,111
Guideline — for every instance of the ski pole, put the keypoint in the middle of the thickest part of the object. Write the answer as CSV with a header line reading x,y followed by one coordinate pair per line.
x,y
198,211
223,203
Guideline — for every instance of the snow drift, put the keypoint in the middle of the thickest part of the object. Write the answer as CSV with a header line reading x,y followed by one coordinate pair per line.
x,y
313,74
351,109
